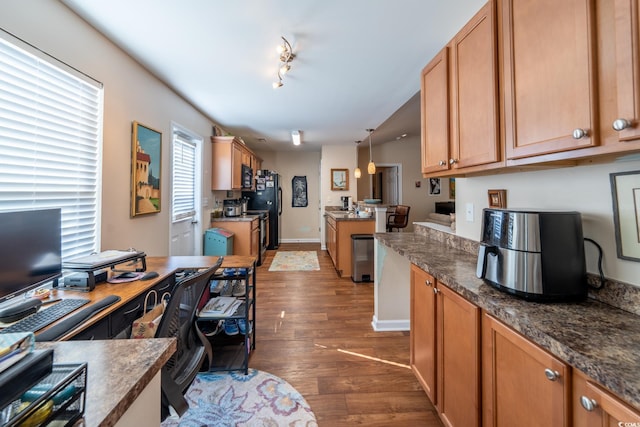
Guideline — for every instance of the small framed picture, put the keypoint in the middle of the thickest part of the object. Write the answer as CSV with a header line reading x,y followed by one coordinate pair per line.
x,y
434,186
625,189
497,198
339,179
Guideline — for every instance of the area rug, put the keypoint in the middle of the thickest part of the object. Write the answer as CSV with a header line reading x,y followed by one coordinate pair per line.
x,y
295,261
234,399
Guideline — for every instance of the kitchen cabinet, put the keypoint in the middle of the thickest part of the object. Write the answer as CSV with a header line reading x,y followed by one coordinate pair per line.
x,y
549,77
228,156
338,239
522,384
593,406
423,330
246,234
445,349
459,101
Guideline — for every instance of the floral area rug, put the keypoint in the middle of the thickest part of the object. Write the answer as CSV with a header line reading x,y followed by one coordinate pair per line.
x,y
295,261
234,399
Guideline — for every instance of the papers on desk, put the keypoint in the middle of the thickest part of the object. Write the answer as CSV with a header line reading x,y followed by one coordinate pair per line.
x,y
220,307
95,260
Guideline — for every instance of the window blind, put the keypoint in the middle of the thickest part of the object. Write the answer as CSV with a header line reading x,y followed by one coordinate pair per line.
x,y
50,142
184,177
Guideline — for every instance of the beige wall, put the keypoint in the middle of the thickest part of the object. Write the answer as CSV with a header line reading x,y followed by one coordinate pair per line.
x,y
131,93
300,224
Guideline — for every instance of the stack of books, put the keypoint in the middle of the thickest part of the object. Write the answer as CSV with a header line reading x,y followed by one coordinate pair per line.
x,y
220,307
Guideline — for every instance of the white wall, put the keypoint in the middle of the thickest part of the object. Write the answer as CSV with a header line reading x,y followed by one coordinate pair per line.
x,y
585,189
130,93
299,224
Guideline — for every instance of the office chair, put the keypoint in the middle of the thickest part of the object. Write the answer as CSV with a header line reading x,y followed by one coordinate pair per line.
x,y
179,321
399,218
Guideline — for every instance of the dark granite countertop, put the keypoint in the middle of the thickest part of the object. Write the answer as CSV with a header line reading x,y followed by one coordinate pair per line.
x,y
598,339
117,372
246,217
340,215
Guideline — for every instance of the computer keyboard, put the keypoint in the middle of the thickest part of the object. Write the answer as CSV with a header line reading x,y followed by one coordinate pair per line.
x,y
46,316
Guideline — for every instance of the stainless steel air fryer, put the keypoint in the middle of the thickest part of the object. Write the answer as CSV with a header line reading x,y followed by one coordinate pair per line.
x,y
536,255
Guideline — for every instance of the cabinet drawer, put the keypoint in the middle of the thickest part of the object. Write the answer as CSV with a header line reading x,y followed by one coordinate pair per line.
x,y
99,331
122,318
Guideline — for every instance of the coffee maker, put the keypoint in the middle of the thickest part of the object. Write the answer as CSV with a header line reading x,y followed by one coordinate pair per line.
x,y
345,203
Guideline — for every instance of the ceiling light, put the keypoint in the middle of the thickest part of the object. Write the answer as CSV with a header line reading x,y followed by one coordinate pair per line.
x,y
357,173
285,51
295,137
371,167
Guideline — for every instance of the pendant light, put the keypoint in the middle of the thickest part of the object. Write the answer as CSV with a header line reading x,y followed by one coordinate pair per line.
x,y
357,173
371,167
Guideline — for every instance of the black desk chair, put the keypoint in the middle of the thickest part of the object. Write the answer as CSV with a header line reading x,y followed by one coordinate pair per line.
x,y
179,321
399,218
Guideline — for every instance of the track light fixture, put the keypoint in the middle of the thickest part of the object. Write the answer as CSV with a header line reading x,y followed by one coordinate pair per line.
x,y
286,56
295,137
371,167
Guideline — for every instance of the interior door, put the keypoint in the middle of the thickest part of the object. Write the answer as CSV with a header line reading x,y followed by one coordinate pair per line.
x,y
185,228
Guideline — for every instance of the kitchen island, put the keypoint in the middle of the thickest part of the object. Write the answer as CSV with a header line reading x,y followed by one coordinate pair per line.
x,y
339,226
597,339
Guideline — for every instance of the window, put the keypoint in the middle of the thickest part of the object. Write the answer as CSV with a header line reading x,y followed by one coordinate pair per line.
x,y
184,176
50,142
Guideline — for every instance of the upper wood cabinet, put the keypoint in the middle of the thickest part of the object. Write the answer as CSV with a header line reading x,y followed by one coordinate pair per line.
x,y
522,384
459,101
549,76
227,157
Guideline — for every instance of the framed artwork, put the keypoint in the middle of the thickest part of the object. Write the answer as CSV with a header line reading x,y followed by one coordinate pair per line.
x,y
452,188
146,163
339,179
434,186
625,192
497,198
299,186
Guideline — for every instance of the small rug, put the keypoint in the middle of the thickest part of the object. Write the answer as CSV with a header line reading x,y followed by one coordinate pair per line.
x,y
234,399
295,261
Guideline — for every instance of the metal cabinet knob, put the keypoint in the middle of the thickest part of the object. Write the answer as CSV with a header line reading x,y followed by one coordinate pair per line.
x,y
442,163
588,404
428,282
436,291
453,161
621,124
580,133
551,374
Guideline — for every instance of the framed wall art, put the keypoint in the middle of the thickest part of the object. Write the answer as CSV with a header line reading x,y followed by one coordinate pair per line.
x,y
625,194
434,186
146,164
339,179
497,198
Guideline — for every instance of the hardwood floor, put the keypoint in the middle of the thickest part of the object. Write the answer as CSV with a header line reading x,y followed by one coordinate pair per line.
x,y
313,329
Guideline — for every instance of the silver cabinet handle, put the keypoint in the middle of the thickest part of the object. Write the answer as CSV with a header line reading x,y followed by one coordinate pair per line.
x,y
428,282
436,291
588,404
442,163
580,133
551,375
453,161
621,124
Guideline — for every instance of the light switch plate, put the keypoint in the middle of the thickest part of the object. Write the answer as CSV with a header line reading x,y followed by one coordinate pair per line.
x,y
469,212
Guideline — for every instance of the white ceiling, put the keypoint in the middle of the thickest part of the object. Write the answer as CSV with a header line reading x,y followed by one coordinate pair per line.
x,y
357,63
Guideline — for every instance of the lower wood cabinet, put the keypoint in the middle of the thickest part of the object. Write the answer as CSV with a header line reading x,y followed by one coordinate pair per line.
x,y
445,345
593,406
522,384
246,235
338,240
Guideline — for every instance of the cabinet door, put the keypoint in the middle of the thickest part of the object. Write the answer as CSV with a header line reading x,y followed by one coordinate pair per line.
x,y
423,330
522,384
627,39
255,237
236,168
474,92
549,76
595,407
458,359
434,104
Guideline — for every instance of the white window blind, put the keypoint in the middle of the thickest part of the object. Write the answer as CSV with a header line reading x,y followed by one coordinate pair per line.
x,y
184,177
50,142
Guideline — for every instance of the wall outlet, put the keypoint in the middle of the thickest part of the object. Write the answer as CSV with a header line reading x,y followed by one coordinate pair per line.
x,y
469,212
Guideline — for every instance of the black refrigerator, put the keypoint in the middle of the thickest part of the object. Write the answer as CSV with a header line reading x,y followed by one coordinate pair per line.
x,y
267,196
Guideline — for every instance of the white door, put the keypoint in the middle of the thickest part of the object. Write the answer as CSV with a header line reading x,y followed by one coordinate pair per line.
x,y
186,193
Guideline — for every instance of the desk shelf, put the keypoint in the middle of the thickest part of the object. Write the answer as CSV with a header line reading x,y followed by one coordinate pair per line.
x,y
232,352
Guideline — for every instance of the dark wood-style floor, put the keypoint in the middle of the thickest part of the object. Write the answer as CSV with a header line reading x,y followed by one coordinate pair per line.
x,y
314,330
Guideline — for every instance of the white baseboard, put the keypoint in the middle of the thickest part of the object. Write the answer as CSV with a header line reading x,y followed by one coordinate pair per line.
x,y
315,240
390,325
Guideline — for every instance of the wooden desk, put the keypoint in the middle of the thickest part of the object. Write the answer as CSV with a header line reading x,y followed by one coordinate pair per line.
x,y
105,324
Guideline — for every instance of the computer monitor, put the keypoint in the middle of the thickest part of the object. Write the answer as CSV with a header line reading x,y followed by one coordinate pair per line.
x,y
30,250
